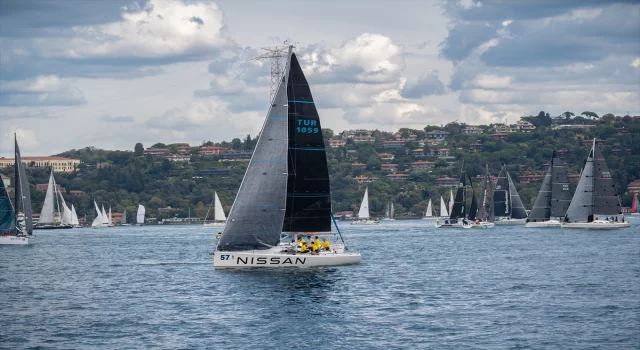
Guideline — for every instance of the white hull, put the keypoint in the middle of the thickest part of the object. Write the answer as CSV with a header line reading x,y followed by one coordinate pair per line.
x,y
365,222
597,225
14,240
544,224
481,225
275,257
215,224
507,222
429,218
456,225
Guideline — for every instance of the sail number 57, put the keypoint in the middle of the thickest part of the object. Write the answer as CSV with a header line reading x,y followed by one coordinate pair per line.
x,y
225,257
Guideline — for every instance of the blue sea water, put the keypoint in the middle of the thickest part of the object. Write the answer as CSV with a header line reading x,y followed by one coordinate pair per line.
x,y
417,287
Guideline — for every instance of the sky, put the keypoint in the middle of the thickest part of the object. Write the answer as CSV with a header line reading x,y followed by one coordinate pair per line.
x,y
109,74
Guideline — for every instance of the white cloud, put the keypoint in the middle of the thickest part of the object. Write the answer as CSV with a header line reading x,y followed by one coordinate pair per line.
x,y
636,63
489,81
48,90
27,138
162,29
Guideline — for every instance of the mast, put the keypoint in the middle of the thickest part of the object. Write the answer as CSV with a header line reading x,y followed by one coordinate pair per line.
x,y
17,185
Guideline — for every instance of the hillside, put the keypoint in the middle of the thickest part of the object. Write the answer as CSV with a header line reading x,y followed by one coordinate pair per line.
x,y
403,167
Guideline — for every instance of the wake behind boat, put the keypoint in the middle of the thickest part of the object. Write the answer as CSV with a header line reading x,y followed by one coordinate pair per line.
x,y
595,197
285,188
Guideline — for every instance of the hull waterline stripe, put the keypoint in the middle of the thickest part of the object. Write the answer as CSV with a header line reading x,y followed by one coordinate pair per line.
x,y
297,101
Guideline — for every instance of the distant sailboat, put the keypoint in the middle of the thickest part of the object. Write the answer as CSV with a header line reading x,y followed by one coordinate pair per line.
x,y
110,220
50,218
553,198
140,215
392,213
363,215
428,215
105,217
387,213
74,217
98,222
451,201
635,206
482,215
595,197
219,219
458,214
507,205
16,224
123,220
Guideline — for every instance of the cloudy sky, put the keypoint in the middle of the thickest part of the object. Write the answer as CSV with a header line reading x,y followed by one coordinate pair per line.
x,y
77,73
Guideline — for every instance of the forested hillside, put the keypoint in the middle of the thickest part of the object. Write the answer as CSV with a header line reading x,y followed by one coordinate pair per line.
x,y
122,179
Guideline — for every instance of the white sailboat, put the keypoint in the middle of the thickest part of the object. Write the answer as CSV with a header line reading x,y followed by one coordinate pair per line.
x,y
50,218
74,217
98,222
363,215
444,213
123,220
428,215
595,197
285,189
140,215
219,219
387,213
110,219
16,225
105,217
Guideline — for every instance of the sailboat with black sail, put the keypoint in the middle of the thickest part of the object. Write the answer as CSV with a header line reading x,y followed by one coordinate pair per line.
x,y
479,217
553,198
459,210
16,225
507,205
285,188
595,197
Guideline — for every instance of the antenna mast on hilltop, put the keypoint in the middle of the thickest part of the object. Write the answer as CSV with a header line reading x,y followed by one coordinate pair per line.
x,y
278,57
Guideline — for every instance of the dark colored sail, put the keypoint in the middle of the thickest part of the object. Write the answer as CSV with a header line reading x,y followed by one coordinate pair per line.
x,y
308,206
501,195
6,210
473,209
541,210
605,197
517,208
459,206
560,191
256,217
23,194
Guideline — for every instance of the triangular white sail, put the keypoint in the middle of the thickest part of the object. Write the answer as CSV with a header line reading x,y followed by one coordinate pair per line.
x,y
74,216
46,215
123,219
110,220
140,215
393,211
364,207
443,208
98,220
218,212
429,212
105,218
66,212
451,200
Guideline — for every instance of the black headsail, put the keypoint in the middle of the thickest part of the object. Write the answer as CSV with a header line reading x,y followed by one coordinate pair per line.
x,y
6,210
459,204
560,191
605,197
256,217
541,210
517,208
23,194
501,196
308,193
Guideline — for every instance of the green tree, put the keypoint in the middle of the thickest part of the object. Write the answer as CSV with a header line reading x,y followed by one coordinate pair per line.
x,y
589,115
568,115
138,150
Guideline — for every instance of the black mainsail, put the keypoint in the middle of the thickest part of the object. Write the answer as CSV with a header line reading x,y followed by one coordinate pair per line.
x,y
22,192
596,193
501,207
459,204
286,185
554,196
308,190
506,200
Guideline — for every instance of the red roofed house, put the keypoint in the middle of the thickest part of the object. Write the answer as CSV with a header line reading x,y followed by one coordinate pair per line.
x,y
422,165
389,167
211,150
156,151
398,177
634,187
335,143
386,156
